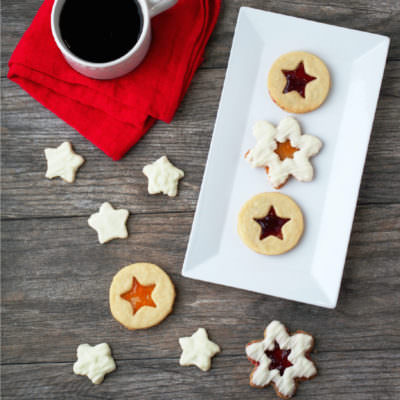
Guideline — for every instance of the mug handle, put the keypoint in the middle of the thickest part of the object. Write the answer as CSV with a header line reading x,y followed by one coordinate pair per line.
x,y
157,7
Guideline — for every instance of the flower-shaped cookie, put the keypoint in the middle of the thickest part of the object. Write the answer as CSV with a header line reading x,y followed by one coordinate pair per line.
x,y
281,359
283,151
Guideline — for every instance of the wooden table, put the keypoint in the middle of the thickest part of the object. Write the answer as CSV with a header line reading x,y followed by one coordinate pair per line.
x,y
55,275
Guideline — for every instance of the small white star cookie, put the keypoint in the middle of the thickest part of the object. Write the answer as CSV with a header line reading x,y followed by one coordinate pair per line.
x,y
163,177
62,162
109,223
284,151
198,350
94,361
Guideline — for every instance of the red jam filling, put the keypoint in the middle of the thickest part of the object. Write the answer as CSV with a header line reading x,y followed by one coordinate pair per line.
x,y
271,224
139,296
297,80
285,150
254,362
279,359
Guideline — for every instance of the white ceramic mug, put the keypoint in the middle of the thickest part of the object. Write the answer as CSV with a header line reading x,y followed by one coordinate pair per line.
x,y
122,65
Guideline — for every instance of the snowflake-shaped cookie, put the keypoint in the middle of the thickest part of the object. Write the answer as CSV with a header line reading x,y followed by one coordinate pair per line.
x,y
281,359
163,177
94,361
284,151
63,162
109,223
198,350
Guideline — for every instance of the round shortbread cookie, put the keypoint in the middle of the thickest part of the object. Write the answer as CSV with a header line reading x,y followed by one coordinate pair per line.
x,y
279,227
285,90
141,295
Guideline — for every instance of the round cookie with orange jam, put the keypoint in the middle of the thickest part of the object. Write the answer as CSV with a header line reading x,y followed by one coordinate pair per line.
x,y
298,82
141,296
270,223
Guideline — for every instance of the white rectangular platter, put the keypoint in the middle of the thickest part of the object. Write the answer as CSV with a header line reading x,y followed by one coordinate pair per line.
x,y
312,271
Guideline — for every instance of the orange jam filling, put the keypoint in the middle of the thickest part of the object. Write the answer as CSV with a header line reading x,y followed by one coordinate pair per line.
x,y
285,150
139,296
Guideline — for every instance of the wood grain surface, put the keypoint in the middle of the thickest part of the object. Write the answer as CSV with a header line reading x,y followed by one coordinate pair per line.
x,y
55,275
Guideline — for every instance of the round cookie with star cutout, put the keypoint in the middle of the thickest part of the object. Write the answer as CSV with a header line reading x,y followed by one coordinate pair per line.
x,y
270,223
141,296
299,82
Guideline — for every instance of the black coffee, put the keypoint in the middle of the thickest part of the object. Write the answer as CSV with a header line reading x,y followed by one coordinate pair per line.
x,y
100,30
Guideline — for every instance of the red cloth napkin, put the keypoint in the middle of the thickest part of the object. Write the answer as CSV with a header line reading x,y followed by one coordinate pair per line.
x,y
115,114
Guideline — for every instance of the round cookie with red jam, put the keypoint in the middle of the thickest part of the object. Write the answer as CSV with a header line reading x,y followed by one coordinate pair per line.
x,y
141,296
281,359
298,82
270,223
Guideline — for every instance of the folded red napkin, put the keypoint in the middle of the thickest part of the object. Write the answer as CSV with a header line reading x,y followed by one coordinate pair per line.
x,y
115,114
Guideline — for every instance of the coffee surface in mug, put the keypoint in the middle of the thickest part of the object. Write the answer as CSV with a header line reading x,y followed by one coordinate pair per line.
x,y
100,30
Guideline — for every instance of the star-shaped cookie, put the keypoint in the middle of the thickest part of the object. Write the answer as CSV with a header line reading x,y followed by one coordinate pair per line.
x,y
109,223
163,177
94,361
198,350
62,162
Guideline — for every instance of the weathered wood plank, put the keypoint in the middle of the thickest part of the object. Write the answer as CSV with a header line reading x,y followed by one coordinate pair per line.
x,y
26,192
372,16
359,375
56,278
28,128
